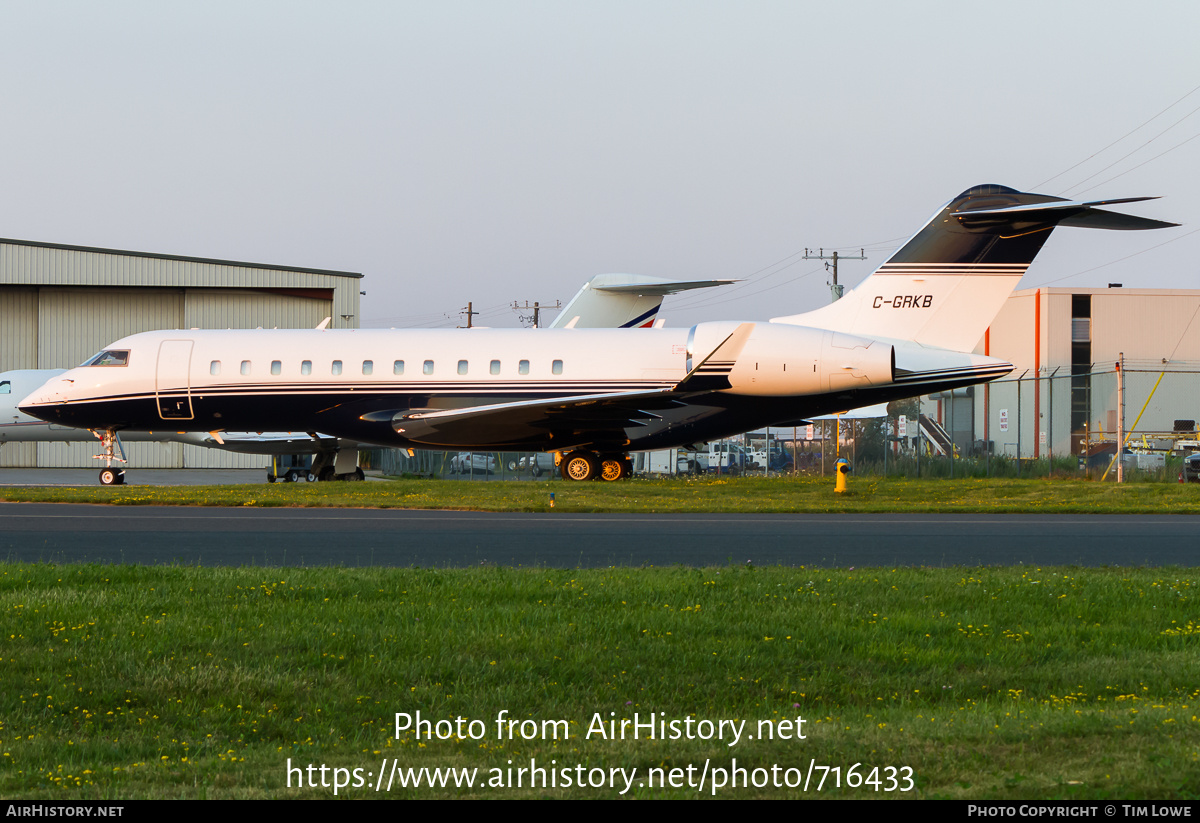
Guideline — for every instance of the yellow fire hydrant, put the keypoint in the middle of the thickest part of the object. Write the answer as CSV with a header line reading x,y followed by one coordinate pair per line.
x,y
843,469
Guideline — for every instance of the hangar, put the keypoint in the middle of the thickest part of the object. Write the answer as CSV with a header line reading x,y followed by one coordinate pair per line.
x,y
1065,344
60,304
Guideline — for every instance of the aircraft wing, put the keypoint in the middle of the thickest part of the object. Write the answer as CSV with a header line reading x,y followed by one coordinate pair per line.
x,y
572,421
261,442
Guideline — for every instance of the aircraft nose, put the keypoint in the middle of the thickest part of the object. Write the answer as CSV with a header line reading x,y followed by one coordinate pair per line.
x,y
46,404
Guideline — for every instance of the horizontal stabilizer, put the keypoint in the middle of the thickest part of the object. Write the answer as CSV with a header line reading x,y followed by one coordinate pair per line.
x,y
661,288
1082,214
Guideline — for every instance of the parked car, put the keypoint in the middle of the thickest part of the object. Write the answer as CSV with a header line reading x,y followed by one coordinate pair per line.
x,y
536,464
469,462
1191,468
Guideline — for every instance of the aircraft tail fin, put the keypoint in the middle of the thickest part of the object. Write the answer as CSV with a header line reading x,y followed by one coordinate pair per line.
x,y
944,286
622,301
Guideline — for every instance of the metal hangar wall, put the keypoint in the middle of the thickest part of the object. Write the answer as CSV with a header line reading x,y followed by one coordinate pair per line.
x,y
60,304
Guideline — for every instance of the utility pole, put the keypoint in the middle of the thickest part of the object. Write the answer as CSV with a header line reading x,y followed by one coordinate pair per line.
x,y
1121,418
537,307
835,288
470,314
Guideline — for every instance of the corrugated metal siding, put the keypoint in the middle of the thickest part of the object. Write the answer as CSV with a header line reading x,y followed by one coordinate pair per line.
x,y
18,328
74,324
1146,327
198,457
18,455
38,265
80,455
247,309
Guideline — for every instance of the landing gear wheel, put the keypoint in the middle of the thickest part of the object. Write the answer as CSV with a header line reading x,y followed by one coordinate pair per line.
x,y
291,476
580,465
615,467
610,468
326,474
359,475
112,477
312,478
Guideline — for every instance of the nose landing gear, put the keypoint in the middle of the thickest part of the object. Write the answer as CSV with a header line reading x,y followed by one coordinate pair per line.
x,y
111,443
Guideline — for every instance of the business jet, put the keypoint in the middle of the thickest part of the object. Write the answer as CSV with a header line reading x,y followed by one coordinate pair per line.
x,y
623,301
593,395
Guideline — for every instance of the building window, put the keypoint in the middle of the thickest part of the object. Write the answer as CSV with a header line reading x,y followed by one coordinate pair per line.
x,y
398,367
495,367
462,366
245,367
523,367
337,367
428,367
306,367
214,367
276,367
368,366
557,367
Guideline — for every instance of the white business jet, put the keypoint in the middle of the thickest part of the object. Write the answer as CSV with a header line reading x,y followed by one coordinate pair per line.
x,y
594,395
606,301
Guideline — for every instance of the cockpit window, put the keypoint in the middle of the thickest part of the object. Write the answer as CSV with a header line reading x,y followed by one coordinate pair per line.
x,y
109,358
5,387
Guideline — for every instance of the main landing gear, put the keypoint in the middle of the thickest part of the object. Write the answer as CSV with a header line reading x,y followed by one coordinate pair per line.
x,y
326,466
111,443
586,465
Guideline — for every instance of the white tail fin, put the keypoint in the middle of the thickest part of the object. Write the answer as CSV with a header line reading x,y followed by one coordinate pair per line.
x,y
623,301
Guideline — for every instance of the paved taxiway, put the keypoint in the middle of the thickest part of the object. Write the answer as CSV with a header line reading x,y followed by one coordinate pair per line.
x,y
357,537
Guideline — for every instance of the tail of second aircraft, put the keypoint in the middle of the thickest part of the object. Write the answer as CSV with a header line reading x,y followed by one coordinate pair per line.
x,y
944,287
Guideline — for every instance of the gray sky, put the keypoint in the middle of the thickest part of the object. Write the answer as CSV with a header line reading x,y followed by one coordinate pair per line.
x,y
508,151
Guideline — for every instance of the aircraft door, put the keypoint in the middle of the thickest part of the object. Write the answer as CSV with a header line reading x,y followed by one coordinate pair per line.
x,y
173,380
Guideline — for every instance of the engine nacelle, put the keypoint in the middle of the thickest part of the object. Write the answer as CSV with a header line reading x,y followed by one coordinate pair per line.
x,y
780,361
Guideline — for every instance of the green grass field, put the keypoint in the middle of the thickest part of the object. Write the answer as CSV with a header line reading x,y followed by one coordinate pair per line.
x,y
124,682
753,494
177,682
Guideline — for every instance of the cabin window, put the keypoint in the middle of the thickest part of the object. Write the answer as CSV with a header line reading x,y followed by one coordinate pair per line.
x,y
5,387
306,367
276,367
494,368
109,358
245,367
337,367
428,367
556,367
368,366
523,367
462,366
398,367
214,367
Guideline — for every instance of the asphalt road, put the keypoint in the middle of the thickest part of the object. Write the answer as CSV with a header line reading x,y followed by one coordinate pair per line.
x,y
45,532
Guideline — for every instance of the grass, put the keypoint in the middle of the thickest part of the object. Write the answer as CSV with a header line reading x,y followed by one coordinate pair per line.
x,y
180,682
754,494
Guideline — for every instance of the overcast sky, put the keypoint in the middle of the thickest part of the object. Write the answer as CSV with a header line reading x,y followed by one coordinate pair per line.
x,y
508,151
